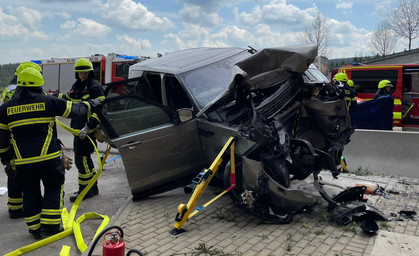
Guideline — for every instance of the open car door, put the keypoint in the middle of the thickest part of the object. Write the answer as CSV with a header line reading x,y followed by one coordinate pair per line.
x,y
158,151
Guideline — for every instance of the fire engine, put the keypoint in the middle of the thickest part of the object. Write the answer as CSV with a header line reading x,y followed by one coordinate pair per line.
x,y
405,80
59,72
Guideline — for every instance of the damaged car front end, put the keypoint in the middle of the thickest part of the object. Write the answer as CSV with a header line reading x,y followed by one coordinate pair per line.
x,y
295,133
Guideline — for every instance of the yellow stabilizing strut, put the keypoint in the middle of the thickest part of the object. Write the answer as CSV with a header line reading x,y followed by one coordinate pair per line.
x,y
184,212
71,226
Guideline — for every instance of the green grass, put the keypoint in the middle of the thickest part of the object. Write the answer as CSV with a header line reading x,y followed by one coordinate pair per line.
x,y
384,224
361,172
264,237
319,232
202,249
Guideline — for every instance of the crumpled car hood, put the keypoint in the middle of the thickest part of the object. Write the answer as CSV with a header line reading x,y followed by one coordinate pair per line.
x,y
268,67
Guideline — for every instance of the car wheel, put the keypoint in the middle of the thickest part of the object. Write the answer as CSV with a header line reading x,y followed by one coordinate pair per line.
x,y
277,170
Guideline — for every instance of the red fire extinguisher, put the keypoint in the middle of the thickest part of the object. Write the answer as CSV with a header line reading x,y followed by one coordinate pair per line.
x,y
115,246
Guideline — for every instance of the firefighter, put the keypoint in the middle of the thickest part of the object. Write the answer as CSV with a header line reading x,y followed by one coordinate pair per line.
x,y
14,200
341,81
353,94
85,88
28,129
384,88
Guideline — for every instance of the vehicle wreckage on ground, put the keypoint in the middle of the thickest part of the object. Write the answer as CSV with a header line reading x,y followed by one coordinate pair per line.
x,y
174,114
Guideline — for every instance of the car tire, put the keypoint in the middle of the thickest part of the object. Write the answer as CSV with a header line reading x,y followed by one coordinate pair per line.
x,y
277,170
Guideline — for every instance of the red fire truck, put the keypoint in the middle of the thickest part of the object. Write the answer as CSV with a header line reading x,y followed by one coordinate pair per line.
x,y
59,72
405,79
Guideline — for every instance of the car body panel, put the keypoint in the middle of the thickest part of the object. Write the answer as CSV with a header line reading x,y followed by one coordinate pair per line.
x,y
156,152
213,134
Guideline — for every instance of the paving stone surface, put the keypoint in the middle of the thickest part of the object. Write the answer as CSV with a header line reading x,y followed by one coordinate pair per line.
x,y
224,229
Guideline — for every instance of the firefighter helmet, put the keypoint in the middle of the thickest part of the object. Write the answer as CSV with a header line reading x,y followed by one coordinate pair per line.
x,y
83,65
340,77
7,93
28,64
350,83
30,77
384,83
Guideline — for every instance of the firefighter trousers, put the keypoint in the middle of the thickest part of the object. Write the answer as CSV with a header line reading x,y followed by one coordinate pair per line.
x,y
42,210
15,200
83,160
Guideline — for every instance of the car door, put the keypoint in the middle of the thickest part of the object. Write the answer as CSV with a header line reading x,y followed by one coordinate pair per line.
x,y
158,151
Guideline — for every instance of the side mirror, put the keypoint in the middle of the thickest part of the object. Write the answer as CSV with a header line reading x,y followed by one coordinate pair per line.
x,y
185,114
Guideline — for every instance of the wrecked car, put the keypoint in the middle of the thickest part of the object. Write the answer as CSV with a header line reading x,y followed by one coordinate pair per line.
x,y
172,116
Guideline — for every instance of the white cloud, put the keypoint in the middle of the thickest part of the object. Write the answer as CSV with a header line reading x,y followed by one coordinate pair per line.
x,y
131,46
65,15
86,28
14,28
209,5
129,15
348,40
198,15
41,35
10,26
69,24
214,5
381,8
342,4
191,36
284,16
28,17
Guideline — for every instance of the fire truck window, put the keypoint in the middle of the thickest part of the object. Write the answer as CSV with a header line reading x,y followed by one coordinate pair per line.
x,y
411,82
119,72
368,79
96,69
125,70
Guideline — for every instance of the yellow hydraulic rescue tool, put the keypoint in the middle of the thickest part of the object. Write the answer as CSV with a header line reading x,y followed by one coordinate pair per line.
x,y
184,212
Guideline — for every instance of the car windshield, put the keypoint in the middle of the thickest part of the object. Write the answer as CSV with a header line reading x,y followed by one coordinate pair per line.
x,y
207,82
315,76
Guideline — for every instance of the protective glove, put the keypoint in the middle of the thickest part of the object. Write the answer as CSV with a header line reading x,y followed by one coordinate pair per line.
x,y
10,169
83,132
94,103
99,135
67,162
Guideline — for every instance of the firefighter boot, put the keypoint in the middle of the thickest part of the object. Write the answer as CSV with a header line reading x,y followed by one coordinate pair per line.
x,y
50,230
16,214
36,233
89,194
95,189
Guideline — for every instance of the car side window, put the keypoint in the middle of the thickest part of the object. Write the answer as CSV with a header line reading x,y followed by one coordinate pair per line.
x,y
136,116
176,97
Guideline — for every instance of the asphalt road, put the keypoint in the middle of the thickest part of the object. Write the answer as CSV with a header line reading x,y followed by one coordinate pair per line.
x,y
114,192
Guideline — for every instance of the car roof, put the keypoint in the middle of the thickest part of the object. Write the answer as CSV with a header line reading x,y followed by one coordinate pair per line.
x,y
186,60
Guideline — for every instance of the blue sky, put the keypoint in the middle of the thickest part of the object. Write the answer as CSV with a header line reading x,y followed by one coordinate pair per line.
x,y
42,29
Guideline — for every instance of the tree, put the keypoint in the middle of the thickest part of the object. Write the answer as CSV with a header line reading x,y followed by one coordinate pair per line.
x,y
383,40
405,20
7,71
318,33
